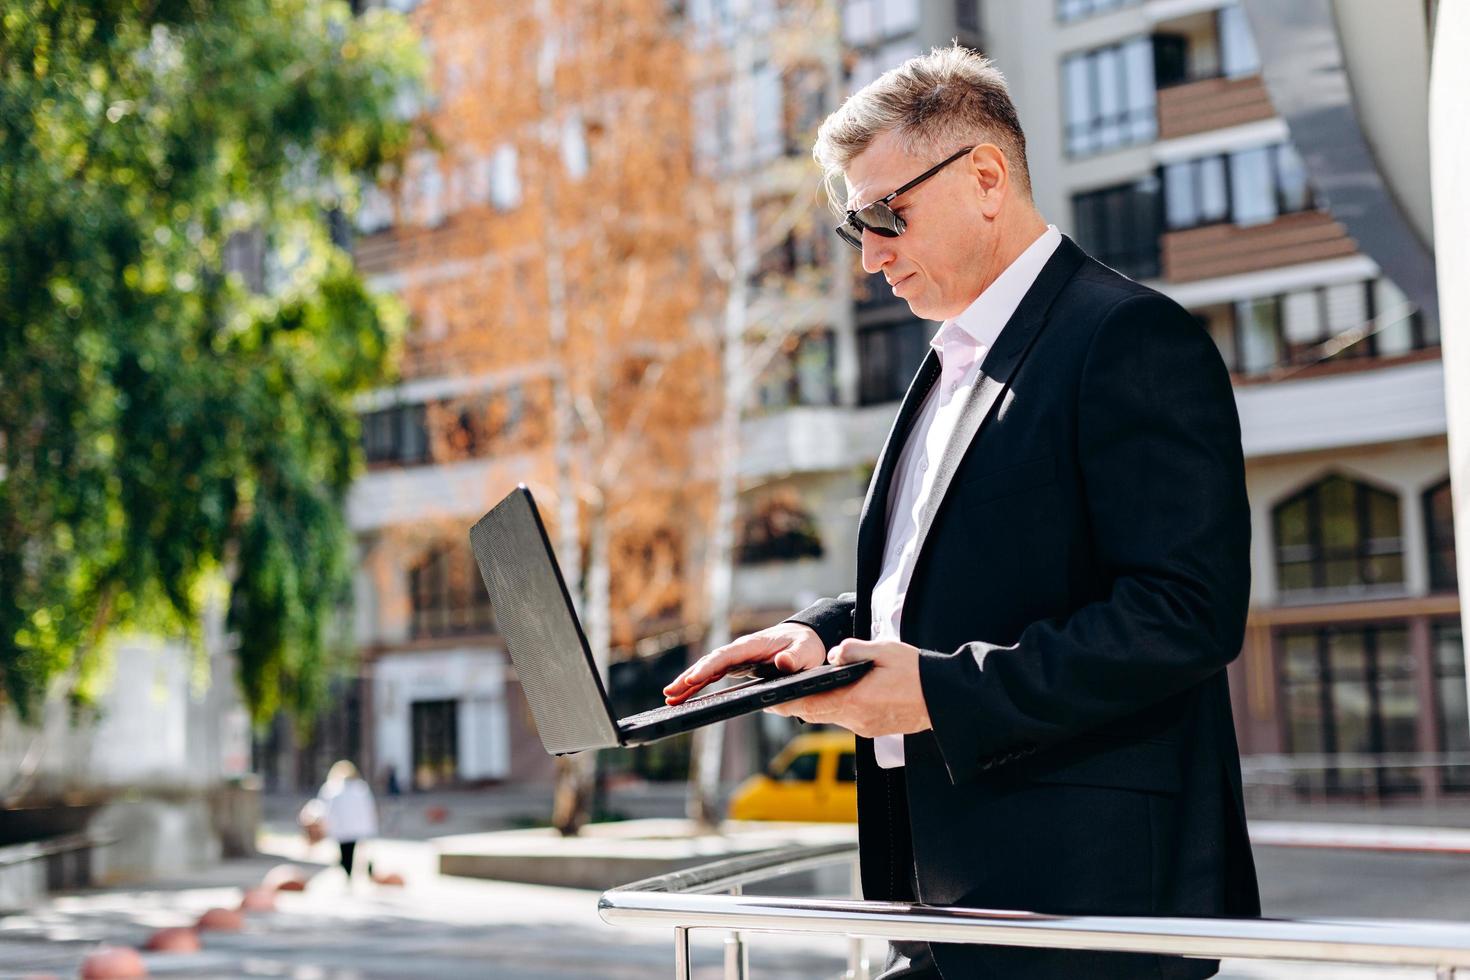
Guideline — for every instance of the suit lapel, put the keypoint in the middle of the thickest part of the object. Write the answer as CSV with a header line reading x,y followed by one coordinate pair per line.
x,y
992,385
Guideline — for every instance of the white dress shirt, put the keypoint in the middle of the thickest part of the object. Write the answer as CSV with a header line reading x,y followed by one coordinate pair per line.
x,y
961,344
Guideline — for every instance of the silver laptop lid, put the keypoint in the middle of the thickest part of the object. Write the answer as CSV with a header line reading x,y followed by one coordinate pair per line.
x,y
534,611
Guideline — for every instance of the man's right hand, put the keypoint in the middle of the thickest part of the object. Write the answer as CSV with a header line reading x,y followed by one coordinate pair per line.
x,y
791,646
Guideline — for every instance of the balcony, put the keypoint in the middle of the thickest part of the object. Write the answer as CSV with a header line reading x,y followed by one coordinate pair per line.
x,y
461,490
1391,404
812,440
1228,249
1210,104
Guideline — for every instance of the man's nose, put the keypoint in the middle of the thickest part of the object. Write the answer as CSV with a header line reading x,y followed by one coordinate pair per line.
x,y
876,251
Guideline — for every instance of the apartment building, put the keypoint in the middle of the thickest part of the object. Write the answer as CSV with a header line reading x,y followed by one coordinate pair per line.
x,y
1157,144
1155,140
547,284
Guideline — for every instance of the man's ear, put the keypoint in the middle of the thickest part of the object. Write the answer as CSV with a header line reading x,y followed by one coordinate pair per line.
x,y
992,175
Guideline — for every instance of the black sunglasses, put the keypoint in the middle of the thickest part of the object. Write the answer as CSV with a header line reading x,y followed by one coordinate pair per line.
x,y
878,217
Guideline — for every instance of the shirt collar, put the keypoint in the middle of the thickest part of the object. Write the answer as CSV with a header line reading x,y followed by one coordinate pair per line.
x,y
984,319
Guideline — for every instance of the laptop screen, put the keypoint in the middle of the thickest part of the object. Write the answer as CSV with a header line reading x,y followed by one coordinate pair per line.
x,y
534,613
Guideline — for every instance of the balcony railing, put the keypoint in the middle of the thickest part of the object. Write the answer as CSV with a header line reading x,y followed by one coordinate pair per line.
x,y
1228,249
1212,103
691,899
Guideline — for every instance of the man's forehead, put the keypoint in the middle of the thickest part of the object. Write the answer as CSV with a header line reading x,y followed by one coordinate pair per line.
x,y
876,172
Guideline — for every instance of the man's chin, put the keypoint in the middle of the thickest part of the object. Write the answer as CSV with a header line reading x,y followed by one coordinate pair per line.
x,y
923,310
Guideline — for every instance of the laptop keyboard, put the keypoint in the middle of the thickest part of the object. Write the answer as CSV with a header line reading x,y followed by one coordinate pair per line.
x,y
669,710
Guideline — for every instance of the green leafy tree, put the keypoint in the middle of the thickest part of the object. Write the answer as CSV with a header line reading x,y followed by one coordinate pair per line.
x,y
181,333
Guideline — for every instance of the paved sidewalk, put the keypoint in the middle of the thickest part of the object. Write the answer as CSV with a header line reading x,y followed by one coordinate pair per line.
x,y
440,926
435,927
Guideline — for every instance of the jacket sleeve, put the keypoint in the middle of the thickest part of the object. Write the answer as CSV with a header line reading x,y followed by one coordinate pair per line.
x,y
1164,492
832,619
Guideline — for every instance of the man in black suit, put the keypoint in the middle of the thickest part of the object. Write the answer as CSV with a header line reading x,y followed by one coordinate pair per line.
x,y
1053,564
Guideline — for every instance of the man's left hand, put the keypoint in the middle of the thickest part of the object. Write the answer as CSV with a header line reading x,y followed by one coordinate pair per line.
x,y
887,700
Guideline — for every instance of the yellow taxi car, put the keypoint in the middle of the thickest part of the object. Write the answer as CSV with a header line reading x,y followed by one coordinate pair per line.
x,y
813,778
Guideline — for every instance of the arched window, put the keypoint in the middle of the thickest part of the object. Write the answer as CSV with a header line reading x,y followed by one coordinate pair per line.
x,y
1338,535
447,595
1439,536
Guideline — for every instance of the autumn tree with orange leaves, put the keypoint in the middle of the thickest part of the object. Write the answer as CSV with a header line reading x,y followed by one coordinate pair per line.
x,y
580,276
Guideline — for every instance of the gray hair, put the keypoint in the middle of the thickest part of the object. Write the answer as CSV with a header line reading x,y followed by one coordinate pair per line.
x,y
935,104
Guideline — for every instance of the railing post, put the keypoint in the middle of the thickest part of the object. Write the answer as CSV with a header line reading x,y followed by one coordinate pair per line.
x,y
857,961
683,967
737,958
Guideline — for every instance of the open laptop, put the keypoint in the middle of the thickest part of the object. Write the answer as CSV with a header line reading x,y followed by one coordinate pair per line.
x,y
534,612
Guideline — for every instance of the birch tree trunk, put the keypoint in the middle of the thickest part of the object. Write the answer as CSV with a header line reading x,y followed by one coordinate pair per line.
x,y
571,797
709,742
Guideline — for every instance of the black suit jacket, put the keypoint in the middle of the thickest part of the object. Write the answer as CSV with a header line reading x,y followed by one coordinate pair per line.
x,y
1090,540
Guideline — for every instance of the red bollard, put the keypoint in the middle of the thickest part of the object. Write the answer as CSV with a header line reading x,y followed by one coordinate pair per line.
x,y
222,920
285,878
113,963
178,939
258,900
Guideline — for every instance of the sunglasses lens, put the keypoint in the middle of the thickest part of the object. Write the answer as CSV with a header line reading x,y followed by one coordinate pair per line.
x,y
880,220
852,238
877,218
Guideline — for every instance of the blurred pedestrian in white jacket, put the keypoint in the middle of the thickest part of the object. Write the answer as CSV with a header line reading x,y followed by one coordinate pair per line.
x,y
351,813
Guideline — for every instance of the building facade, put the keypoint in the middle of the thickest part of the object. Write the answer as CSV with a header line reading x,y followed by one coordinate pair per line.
x,y
1155,140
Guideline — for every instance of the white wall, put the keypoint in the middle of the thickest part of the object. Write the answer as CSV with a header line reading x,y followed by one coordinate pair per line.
x,y
160,723
1338,412
473,677
1449,168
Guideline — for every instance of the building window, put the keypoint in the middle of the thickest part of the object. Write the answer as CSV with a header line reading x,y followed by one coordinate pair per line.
x,y
574,147
1077,9
435,733
1454,713
1258,326
713,142
1399,326
1439,527
447,595
801,251
1108,95
1196,193
1349,691
1267,182
800,373
779,528
1209,44
396,435
967,15
804,100
1247,187
865,22
1339,537
1238,54
869,63
769,116
1119,226
505,180
889,355
1368,318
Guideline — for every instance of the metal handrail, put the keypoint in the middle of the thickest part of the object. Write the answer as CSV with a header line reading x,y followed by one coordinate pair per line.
x,y
1311,762
685,899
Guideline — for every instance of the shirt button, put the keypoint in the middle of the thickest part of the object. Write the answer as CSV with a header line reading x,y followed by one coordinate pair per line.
x,y
923,466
